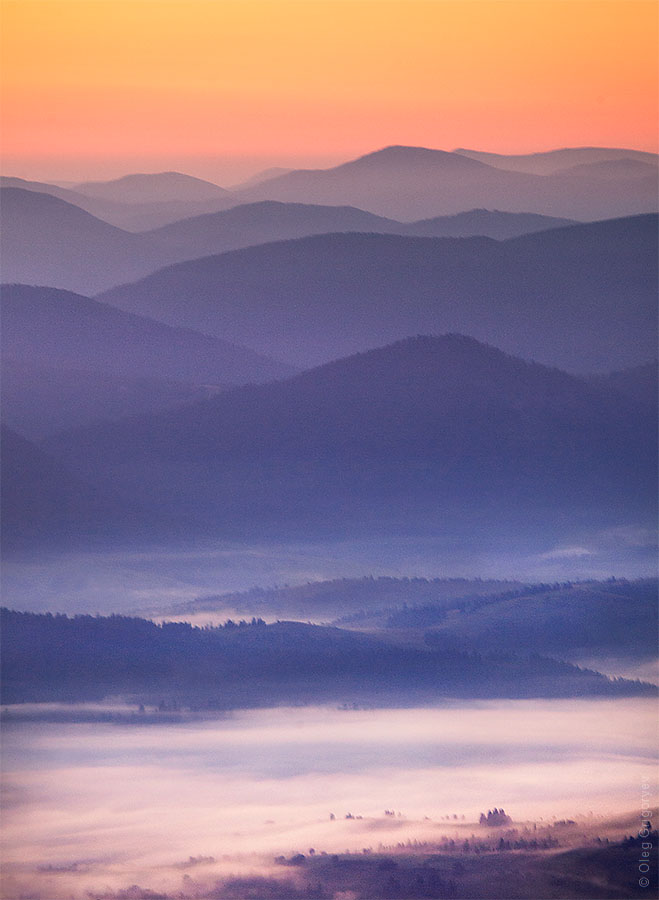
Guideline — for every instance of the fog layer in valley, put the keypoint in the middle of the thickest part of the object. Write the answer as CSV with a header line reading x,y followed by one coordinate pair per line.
x,y
99,807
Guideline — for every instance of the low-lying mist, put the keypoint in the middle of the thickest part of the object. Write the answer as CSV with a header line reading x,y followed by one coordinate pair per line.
x,y
93,807
150,580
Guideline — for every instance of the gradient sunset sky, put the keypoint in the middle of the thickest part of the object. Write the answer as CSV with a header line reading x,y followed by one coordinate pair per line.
x,y
223,88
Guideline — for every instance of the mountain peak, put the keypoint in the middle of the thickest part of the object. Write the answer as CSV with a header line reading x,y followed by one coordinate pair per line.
x,y
424,357
153,187
402,155
139,177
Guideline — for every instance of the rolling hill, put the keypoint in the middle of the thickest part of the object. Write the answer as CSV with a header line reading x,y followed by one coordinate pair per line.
x,y
598,618
46,657
323,601
613,618
141,202
612,169
53,190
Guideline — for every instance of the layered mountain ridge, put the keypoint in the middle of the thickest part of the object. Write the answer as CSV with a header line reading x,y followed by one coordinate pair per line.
x,y
553,296
427,435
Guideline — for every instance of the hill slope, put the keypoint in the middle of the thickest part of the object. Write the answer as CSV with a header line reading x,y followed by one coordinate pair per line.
x,y
323,601
54,190
47,327
45,503
69,361
39,400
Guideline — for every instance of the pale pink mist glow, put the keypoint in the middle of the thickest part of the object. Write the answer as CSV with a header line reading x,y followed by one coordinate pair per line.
x,y
130,804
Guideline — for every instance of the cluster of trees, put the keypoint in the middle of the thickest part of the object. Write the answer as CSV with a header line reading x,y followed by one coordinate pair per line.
x,y
243,623
432,614
495,817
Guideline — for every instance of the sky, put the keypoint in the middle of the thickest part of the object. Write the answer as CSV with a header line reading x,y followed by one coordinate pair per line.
x,y
224,88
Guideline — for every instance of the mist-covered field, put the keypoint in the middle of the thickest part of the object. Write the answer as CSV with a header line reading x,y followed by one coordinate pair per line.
x,y
93,808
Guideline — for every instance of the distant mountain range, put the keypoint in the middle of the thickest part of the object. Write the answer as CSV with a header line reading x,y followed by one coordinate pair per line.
x,y
485,223
263,222
414,182
404,183
554,296
62,193
79,252
552,162
442,435
263,175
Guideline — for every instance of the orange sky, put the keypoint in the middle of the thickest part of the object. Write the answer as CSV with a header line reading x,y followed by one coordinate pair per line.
x,y
220,88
